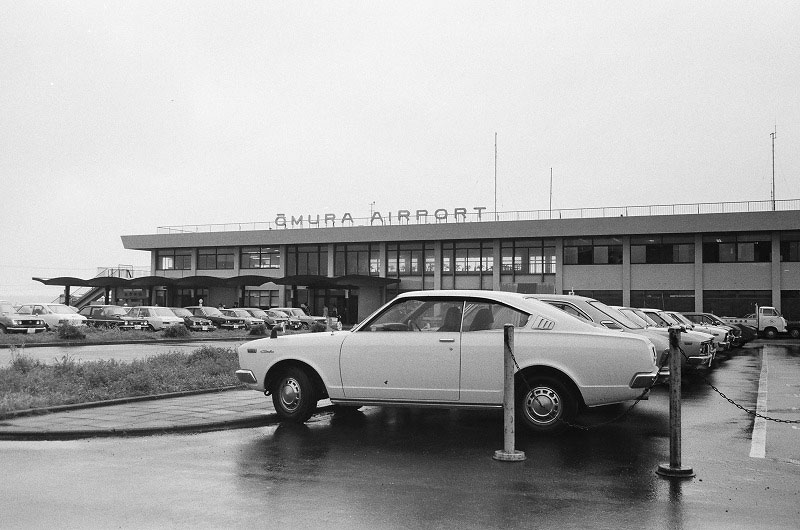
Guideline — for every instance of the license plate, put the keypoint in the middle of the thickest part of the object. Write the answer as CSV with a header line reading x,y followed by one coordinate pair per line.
x,y
204,328
137,327
235,326
31,331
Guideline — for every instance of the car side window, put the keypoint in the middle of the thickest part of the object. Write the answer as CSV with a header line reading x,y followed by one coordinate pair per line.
x,y
489,316
572,310
419,316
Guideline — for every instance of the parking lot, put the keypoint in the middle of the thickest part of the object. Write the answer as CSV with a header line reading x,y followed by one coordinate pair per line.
x,y
404,468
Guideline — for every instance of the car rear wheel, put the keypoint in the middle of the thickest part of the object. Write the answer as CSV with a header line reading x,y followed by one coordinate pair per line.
x,y
545,405
771,333
294,395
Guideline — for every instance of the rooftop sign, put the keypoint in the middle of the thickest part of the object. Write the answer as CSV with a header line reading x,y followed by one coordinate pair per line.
x,y
438,215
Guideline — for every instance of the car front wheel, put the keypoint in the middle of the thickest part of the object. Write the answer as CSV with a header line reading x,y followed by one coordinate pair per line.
x,y
545,405
294,395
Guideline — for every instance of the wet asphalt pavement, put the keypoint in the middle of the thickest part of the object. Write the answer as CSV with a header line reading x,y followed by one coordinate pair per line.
x,y
403,468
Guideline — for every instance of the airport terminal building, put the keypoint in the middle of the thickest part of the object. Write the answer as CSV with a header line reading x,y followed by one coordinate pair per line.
x,y
720,257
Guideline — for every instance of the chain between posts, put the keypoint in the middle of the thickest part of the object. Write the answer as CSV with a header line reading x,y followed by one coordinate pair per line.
x,y
737,405
647,390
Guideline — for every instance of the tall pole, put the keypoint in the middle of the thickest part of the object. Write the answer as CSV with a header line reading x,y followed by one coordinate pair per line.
x,y
495,176
773,135
551,193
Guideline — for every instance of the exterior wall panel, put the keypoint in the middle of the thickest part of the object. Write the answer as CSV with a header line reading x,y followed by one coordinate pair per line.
x,y
678,277
589,277
737,276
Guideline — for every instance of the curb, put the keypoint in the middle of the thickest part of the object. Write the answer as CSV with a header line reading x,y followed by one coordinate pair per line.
x,y
268,419
263,421
117,401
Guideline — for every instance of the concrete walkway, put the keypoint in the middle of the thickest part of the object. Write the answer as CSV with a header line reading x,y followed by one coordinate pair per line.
x,y
183,413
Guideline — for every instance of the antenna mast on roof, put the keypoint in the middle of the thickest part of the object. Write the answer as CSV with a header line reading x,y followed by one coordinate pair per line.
x,y
773,135
495,176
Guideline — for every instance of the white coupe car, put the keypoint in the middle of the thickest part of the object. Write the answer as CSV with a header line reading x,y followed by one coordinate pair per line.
x,y
445,349
53,314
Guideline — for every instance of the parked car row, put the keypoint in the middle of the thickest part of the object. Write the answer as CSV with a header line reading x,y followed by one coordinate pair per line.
x,y
35,318
444,349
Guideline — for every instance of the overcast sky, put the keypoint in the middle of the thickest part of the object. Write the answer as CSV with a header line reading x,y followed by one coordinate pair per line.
x,y
119,117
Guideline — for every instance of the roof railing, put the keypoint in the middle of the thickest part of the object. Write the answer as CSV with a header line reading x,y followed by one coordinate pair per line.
x,y
306,222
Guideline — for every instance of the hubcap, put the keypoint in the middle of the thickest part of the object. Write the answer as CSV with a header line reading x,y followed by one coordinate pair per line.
x,y
543,405
290,394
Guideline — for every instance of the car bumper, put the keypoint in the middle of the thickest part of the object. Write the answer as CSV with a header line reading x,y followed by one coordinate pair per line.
x,y
202,327
644,379
25,329
133,326
246,376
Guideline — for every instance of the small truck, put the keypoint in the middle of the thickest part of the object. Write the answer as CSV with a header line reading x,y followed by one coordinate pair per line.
x,y
766,320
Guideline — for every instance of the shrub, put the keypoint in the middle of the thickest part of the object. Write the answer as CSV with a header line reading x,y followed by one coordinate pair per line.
x,y
258,329
29,383
318,327
70,332
22,362
175,332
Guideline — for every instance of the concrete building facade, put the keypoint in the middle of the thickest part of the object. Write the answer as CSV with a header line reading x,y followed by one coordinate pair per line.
x,y
709,259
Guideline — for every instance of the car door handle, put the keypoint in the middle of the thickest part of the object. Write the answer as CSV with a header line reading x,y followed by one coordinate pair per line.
x,y
447,340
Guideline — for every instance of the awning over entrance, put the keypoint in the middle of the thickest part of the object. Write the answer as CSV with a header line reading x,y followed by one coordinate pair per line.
x,y
351,281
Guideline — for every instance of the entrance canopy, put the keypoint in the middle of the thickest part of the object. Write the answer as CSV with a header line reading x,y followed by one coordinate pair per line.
x,y
352,281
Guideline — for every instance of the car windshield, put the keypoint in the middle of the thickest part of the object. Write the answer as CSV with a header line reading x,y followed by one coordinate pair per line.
x,y
161,312
213,312
680,318
644,316
633,316
257,313
277,314
115,311
716,321
658,320
60,309
240,313
671,320
180,312
615,315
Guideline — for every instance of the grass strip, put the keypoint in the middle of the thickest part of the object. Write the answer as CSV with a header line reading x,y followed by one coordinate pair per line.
x,y
29,383
101,335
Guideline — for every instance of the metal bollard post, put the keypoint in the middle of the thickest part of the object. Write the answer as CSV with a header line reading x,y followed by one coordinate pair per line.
x,y
674,469
508,453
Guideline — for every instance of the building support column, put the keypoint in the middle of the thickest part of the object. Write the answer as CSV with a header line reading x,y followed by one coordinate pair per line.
x,y
559,279
626,270
437,267
497,264
698,273
776,270
282,273
330,273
